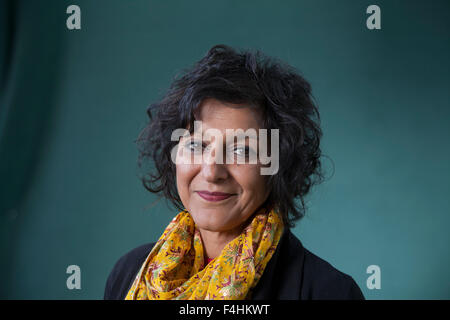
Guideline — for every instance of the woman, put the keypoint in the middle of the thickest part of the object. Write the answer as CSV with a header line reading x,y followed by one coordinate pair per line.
x,y
231,238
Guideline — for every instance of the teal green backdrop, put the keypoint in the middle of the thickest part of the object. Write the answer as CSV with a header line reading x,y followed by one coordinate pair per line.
x,y
73,101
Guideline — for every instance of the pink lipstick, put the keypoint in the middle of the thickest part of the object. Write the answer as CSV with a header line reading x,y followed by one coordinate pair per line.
x,y
214,196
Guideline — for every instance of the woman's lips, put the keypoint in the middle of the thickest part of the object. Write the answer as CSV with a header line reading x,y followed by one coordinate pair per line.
x,y
214,196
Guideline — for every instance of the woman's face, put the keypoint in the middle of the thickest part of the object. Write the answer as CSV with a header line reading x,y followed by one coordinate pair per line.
x,y
243,181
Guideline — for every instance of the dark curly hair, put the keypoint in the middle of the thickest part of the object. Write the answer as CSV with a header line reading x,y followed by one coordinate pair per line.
x,y
275,88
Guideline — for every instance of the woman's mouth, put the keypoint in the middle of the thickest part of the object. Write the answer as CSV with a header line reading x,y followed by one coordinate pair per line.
x,y
214,196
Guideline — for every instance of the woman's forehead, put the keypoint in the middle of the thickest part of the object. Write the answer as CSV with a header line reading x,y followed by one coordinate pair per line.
x,y
223,115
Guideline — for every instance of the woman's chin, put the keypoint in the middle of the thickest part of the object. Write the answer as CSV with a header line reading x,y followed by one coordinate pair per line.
x,y
210,222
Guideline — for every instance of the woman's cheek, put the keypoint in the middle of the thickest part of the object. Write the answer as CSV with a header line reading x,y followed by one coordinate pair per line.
x,y
185,174
183,178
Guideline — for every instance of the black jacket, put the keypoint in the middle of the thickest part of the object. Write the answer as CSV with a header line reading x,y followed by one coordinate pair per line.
x,y
293,273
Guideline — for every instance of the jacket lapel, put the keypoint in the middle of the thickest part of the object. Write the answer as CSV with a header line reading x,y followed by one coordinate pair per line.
x,y
282,278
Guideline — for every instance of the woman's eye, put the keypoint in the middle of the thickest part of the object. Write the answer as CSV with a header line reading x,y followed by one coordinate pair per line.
x,y
194,146
242,151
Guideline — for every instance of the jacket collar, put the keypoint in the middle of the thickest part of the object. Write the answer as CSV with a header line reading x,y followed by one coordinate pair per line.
x,y
282,277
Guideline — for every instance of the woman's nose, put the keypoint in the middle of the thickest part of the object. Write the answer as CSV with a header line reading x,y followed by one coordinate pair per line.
x,y
213,167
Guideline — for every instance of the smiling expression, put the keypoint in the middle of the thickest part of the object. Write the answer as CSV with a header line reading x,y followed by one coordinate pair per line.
x,y
221,196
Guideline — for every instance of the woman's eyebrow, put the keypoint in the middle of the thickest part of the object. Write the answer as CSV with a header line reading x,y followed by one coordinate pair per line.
x,y
231,138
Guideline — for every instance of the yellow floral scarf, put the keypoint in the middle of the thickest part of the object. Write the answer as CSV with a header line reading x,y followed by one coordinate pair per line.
x,y
174,268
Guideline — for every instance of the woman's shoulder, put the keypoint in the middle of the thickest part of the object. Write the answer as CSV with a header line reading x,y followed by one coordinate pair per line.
x,y
124,272
324,281
321,280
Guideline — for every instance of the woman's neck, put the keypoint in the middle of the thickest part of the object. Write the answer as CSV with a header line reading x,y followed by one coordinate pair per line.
x,y
214,242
